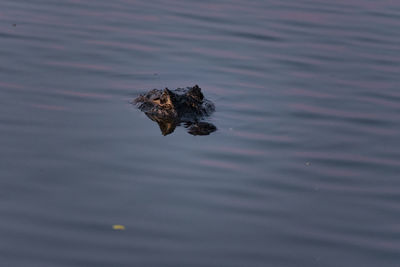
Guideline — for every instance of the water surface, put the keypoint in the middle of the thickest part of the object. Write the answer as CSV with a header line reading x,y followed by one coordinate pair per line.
x,y
304,167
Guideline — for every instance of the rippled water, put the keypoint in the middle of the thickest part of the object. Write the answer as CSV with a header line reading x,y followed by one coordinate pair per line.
x,y
303,170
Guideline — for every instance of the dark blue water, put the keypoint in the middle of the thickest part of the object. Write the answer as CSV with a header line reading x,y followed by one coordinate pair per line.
x,y
303,170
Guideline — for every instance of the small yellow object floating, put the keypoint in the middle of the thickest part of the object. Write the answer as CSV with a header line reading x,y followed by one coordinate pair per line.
x,y
118,227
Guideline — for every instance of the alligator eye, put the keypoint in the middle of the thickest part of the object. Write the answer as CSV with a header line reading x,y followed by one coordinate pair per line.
x,y
157,100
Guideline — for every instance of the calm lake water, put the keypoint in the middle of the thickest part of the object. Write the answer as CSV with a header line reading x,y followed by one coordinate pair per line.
x,y
302,171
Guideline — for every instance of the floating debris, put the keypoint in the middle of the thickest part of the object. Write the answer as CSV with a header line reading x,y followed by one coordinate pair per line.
x,y
118,227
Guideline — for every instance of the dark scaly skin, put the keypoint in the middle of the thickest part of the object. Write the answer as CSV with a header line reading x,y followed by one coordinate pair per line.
x,y
169,108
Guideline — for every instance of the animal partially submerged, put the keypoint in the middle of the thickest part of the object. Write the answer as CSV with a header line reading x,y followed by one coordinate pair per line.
x,y
170,108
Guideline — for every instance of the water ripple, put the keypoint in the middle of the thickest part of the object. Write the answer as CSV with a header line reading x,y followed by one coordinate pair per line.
x,y
302,170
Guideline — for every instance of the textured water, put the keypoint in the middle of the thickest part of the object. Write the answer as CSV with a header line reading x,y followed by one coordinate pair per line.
x,y
303,170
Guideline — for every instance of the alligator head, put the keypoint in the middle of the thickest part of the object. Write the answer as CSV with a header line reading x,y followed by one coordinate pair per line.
x,y
169,108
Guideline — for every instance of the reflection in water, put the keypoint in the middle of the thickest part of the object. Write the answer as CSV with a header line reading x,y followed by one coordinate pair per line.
x,y
194,128
170,108
166,126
